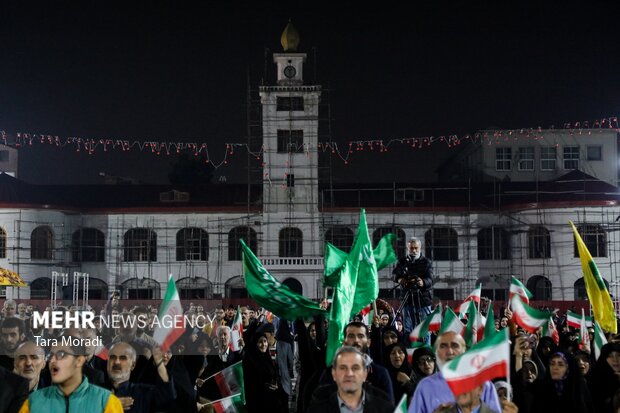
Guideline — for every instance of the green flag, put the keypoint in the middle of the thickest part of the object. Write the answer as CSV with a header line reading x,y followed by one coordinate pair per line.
x,y
270,293
489,327
334,260
357,286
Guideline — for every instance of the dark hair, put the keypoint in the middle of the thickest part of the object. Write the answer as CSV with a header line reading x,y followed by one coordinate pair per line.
x,y
75,343
356,324
12,322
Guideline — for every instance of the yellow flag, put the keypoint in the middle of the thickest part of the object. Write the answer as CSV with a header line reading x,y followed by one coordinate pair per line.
x,y
599,297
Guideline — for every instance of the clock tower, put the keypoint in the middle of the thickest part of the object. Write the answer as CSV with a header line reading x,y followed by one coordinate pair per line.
x,y
290,122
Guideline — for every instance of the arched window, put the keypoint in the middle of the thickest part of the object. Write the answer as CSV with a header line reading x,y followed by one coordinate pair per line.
x,y
235,287
192,244
192,288
493,244
248,235
399,244
538,242
594,237
441,244
291,242
41,288
580,289
88,245
294,285
340,237
540,287
2,243
140,245
42,243
141,289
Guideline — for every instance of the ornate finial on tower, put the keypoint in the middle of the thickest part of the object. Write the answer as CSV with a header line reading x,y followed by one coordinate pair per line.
x,y
289,38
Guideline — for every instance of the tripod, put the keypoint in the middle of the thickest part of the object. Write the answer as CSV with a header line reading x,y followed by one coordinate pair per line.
x,y
405,301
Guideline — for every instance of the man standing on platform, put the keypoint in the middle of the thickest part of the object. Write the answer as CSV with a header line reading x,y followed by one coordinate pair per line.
x,y
414,273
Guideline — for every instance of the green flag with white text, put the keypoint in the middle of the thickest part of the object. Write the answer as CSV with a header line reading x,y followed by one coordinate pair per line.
x,y
270,293
357,286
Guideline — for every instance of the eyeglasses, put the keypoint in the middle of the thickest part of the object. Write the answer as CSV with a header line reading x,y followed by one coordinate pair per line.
x,y
426,360
60,354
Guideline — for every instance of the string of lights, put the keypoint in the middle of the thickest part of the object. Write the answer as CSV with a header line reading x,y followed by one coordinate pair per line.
x,y
342,151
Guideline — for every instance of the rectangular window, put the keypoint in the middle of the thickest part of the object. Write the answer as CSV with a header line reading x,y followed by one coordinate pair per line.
x,y
503,159
571,157
595,153
526,158
4,156
290,141
548,158
285,103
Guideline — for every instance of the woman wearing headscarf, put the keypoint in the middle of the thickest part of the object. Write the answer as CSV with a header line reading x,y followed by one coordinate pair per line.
x,y
422,364
563,389
260,377
605,378
523,386
400,371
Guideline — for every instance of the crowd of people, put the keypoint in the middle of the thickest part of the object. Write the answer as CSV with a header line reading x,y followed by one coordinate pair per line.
x,y
284,368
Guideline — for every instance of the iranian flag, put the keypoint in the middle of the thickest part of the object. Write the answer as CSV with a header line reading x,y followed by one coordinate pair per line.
x,y
452,323
432,322
550,330
584,337
489,325
574,320
473,296
517,287
485,361
401,407
168,332
236,331
410,355
232,404
599,340
527,317
102,352
474,331
367,314
230,381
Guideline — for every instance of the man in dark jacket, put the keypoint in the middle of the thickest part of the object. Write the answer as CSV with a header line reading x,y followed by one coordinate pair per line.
x,y
13,391
356,335
414,273
349,372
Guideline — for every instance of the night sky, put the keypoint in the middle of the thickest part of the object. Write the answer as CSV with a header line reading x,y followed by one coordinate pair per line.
x,y
179,72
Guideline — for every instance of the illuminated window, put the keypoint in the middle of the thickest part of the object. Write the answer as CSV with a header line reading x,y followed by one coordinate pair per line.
x,y
503,159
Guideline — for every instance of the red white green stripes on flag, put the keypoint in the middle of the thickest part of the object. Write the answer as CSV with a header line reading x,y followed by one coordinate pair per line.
x,y
584,337
401,407
527,317
232,404
599,340
172,310
574,320
473,296
230,381
474,331
517,287
485,361
452,323
236,331
550,330
432,322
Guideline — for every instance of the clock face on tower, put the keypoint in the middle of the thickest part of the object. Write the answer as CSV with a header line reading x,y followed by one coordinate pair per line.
x,y
290,71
